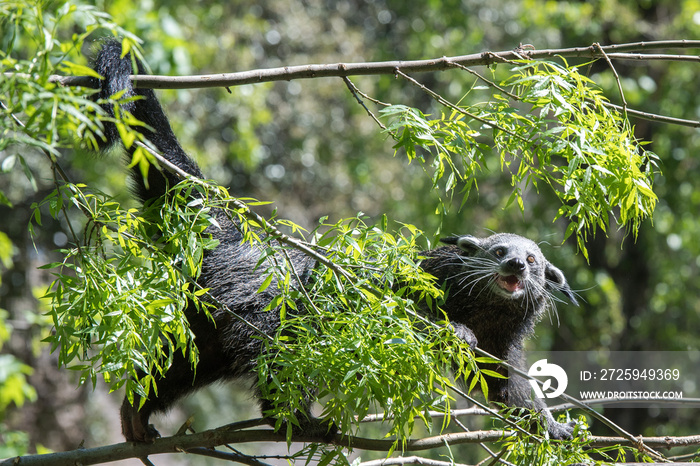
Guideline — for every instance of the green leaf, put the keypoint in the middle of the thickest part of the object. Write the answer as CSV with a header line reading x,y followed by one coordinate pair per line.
x,y
74,69
493,374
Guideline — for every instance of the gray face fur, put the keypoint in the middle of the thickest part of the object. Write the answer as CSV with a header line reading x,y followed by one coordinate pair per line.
x,y
510,267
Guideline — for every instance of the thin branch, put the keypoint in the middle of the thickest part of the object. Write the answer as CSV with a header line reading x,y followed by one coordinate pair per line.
x,y
617,79
299,280
492,456
57,171
370,98
355,91
454,107
625,109
433,414
487,81
497,459
684,402
232,456
495,413
654,116
652,45
649,56
688,457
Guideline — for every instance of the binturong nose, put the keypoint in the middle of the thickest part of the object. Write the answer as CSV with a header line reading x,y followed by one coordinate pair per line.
x,y
515,264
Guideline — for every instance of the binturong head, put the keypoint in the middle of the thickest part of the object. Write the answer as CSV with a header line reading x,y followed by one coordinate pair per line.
x,y
509,266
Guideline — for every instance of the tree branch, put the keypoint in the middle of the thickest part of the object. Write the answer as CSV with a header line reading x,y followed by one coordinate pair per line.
x,y
288,73
345,70
442,101
234,434
617,78
231,434
231,456
654,116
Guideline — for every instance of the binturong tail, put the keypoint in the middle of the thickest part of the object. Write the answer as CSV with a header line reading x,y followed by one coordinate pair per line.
x,y
116,70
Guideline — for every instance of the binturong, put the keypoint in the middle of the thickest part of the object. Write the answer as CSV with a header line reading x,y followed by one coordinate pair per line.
x,y
497,288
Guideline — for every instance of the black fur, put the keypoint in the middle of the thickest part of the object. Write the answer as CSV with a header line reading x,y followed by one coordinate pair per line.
x,y
498,322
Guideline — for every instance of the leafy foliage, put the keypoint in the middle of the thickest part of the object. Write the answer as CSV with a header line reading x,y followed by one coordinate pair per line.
x,y
54,116
457,150
14,386
360,337
549,125
125,292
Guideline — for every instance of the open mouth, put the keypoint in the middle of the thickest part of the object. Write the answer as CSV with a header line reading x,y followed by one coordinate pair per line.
x,y
510,283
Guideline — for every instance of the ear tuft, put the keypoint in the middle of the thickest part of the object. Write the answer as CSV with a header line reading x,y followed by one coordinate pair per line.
x,y
466,243
450,240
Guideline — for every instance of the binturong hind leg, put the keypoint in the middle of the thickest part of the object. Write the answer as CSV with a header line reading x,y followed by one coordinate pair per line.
x,y
180,380
135,425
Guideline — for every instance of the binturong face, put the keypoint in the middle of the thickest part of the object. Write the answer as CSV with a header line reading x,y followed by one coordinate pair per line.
x,y
509,266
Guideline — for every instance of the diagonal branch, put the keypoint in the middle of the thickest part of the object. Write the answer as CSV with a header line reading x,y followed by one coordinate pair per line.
x,y
455,108
654,116
617,78
355,91
249,214
640,443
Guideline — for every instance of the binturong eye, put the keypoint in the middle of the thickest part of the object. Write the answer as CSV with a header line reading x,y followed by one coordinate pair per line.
x,y
531,259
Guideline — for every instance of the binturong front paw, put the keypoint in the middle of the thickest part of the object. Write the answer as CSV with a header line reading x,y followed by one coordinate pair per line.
x,y
560,431
465,334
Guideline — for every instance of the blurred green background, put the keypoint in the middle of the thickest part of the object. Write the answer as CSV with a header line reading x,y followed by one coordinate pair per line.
x,y
311,149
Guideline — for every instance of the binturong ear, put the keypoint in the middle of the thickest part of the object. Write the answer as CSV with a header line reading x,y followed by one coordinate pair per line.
x,y
466,243
556,281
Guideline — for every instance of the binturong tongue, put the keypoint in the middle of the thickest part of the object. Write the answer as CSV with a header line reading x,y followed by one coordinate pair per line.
x,y
510,283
